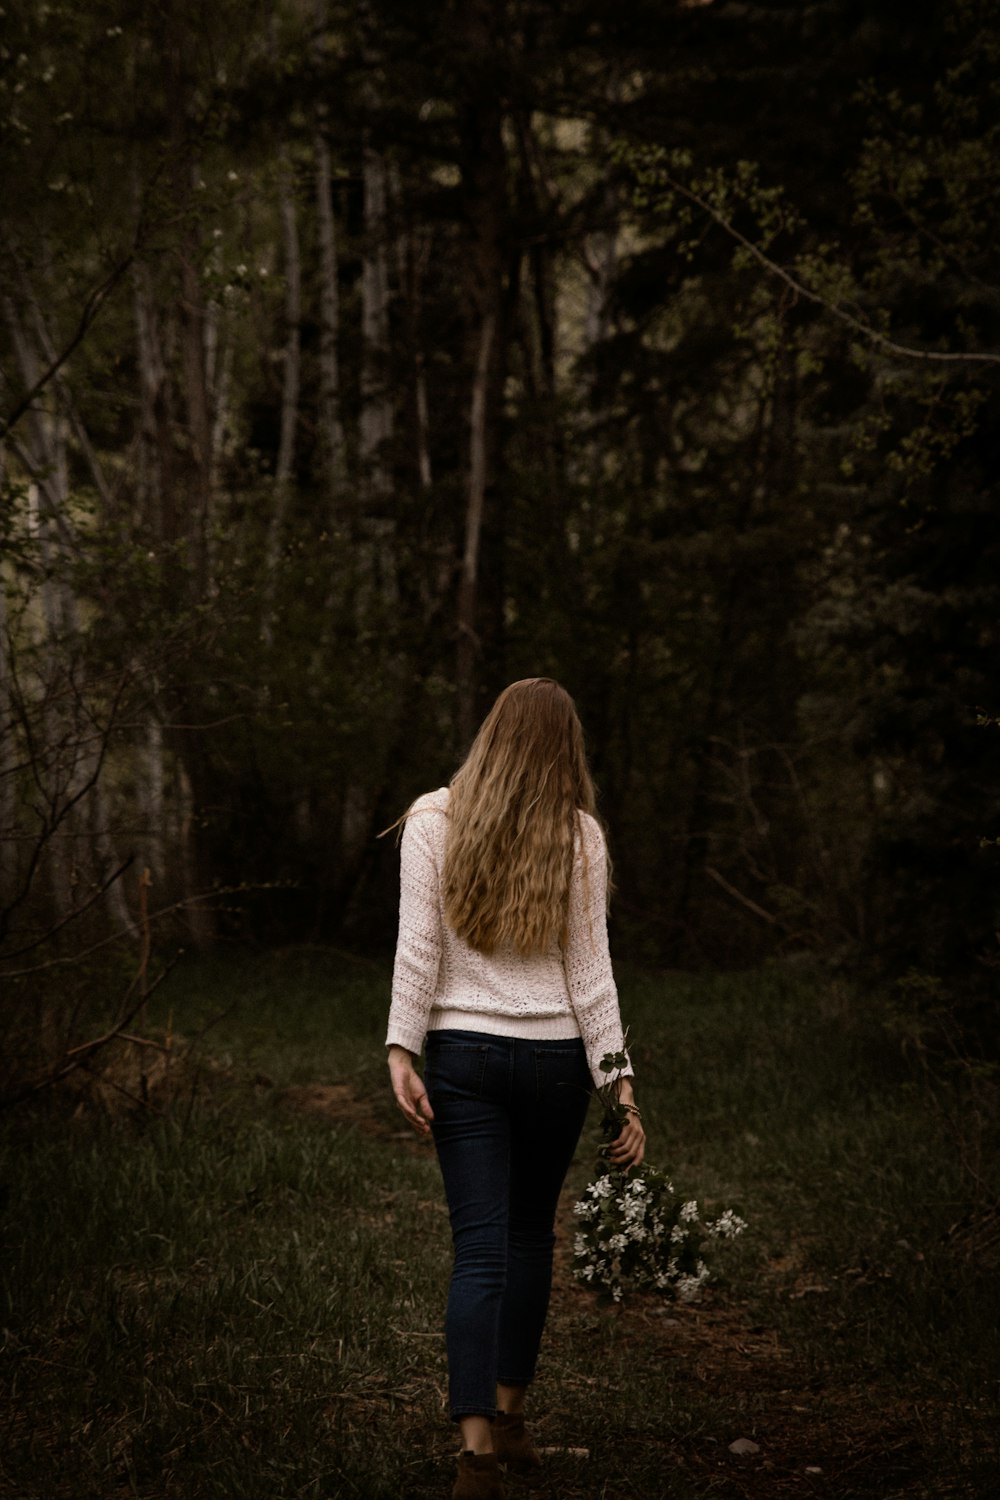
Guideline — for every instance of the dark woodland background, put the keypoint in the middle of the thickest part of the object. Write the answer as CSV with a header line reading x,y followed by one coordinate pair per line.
x,y
358,359
355,360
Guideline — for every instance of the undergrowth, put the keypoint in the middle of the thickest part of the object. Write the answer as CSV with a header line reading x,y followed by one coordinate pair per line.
x,y
232,1296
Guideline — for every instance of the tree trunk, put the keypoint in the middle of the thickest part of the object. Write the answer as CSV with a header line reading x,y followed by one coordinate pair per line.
x,y
331,431
293,319
484,170
151,798
412,256
153,428
376,422
468,641
68,760
285,465
8,754
42,453
199,418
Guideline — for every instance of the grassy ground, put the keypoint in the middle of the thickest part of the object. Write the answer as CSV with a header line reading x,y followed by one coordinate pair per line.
x,y
238,1293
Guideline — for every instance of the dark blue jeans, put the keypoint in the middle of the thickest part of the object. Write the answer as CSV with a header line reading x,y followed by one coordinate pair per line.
x,y
507,1118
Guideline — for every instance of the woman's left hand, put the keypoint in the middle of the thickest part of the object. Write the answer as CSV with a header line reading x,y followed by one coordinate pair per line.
x,y
411,1096
629,1146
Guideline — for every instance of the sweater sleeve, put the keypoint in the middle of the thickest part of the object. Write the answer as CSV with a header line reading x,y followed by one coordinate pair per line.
x,y
587,959
418,946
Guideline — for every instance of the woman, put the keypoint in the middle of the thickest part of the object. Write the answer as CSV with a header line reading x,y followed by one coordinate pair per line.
x,y
502,970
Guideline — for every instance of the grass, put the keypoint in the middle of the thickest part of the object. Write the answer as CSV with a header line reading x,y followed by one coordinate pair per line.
x,y
241,1296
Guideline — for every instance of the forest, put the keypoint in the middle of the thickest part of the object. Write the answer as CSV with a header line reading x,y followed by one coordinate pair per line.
x,y
361,358
357,358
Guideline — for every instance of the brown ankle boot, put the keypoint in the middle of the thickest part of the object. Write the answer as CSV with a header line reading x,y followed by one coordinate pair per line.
x,y
514,1449
478,1477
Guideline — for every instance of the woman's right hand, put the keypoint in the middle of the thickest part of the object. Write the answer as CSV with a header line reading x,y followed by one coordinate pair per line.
x,y
411,1096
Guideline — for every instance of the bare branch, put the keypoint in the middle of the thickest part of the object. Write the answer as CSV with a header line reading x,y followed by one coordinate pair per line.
x,y
95,301
78,1057
739,896
71,916
865,330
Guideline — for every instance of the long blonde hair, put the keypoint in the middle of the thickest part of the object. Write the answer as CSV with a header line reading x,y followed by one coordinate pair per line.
x,y
513,818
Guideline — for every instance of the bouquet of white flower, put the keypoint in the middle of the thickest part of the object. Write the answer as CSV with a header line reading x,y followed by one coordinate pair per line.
x,y
636,1230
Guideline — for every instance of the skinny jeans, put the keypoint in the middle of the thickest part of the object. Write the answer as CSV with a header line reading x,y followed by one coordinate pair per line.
x,y
508,1113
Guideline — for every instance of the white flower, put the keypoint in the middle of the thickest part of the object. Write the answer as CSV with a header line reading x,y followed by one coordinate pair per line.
x,y
643,1223
688,1287
727,1226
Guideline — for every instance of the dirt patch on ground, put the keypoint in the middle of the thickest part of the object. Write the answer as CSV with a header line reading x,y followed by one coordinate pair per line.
x,y
340,1102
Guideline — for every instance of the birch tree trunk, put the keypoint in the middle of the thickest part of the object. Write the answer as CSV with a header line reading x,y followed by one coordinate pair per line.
x,y
601,254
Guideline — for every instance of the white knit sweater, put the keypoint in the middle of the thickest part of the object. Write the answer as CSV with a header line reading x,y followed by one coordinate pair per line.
x,y
439,981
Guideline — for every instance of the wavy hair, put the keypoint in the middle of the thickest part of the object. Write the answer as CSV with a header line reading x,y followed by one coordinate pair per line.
x,y
513,818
